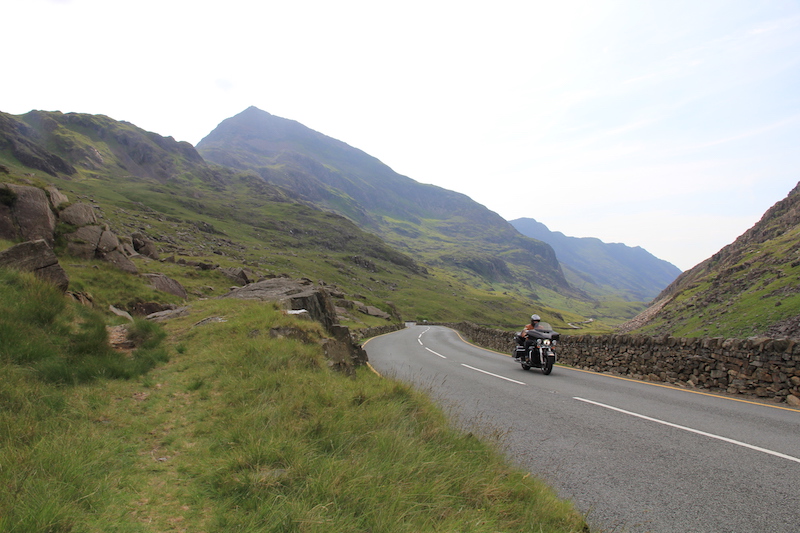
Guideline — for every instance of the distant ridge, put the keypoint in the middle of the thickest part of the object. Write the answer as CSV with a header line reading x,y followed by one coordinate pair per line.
x,y
632,271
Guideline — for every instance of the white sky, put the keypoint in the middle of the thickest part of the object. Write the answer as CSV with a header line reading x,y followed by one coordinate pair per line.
x,y
667,124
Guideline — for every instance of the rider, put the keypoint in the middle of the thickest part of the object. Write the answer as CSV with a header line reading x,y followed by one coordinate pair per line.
x,y
523,335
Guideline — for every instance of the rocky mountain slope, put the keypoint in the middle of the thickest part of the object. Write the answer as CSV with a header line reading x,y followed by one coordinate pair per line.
x,y
615,268
266,191
438,226
750,287
205,214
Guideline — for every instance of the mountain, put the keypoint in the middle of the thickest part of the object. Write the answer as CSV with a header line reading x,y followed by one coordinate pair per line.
x,y
750,287
207,214
590,263
439,227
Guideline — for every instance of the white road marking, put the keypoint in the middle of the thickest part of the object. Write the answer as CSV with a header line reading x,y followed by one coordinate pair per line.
x,y
697,431
495,375
434,353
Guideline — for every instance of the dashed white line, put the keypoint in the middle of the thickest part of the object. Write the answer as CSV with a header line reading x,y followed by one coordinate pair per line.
x,y
434,353
490,374
697,431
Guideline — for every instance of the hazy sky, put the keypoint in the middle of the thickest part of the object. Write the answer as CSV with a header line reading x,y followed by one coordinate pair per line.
x,y
667,124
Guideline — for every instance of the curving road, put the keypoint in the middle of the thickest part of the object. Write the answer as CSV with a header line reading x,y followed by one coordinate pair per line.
x,y
634,456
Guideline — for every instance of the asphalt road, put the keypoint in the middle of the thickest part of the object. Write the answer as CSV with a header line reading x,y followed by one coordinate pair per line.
x,y
633,456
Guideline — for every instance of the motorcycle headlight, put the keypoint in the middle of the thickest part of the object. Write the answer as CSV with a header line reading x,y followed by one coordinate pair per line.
x,y
547,342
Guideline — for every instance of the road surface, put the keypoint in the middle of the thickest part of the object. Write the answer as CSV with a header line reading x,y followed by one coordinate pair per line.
x,y
633,456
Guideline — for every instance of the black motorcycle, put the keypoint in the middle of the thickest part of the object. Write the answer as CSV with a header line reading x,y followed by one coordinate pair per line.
x,y
537,350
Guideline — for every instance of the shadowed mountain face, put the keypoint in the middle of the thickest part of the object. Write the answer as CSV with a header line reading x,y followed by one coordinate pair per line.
x,y
632,272
438,226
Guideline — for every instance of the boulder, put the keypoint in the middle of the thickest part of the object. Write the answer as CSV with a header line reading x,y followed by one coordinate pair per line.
x,y
148,308
108,242
37,257
83,242
291,294
160,316
57,198
119,260
144,246
303,295
8,230
79,214
98,242
162,283
30,213
374,311
343,354
241,276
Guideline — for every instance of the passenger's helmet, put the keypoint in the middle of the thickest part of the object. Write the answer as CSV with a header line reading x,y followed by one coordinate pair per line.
x,y
535,317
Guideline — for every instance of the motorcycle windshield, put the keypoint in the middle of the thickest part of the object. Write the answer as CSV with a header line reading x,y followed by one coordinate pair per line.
x,y
544,330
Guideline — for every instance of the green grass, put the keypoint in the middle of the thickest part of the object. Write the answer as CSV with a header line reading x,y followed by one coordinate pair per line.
x,y
756,291
59,341
242,432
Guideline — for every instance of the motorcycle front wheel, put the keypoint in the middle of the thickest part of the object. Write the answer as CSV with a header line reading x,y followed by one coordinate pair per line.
x,y
547,367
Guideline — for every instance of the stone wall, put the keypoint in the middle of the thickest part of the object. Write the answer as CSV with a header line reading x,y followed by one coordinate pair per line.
x,y
763,367
366,333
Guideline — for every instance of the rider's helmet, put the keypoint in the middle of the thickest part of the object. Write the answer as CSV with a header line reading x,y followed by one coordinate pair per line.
x,y
535,318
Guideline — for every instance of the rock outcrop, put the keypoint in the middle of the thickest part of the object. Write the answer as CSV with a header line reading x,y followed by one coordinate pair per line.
x,y
37,257
144,246
99,242
162,283
25,214
342,351
30,214
291,294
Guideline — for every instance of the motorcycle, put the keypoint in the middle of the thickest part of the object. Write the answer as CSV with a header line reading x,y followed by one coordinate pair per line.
x,y
539,352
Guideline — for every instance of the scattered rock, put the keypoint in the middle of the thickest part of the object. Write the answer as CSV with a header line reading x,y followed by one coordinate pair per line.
x,y
118,338
82,298
160,316
145,246
373,311
210,320
148,308
120,312
160,282
242,276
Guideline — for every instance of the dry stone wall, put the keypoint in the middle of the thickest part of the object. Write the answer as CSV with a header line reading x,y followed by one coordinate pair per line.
x,y
764,367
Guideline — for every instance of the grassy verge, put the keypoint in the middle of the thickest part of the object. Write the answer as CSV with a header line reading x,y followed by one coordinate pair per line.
x,y
240,431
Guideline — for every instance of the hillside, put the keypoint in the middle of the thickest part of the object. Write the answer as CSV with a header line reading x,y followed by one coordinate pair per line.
x,y
204,213
438,227
604,269
750,287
